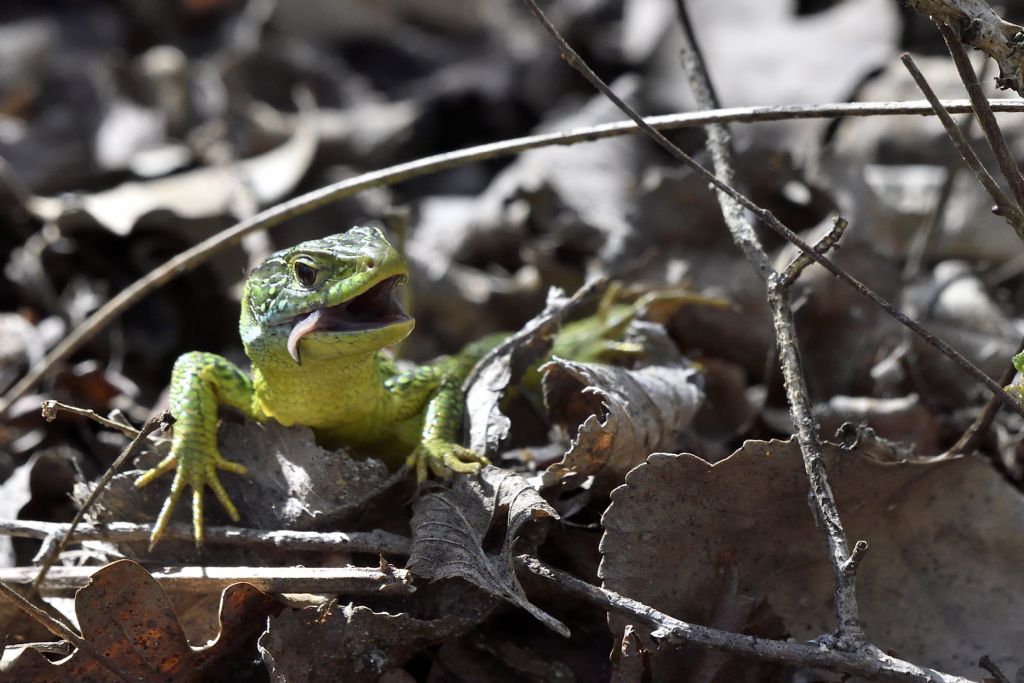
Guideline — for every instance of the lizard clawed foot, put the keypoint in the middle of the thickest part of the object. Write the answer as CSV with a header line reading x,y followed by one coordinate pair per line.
x,y
196,469
442,458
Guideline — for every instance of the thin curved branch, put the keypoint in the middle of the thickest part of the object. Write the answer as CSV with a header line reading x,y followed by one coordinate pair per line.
x,y
273,216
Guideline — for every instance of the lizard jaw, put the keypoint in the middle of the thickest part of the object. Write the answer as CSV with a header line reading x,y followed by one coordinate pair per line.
x,y
374,309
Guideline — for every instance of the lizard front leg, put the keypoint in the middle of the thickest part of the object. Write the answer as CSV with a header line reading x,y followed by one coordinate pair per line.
x,y
200,383
435,392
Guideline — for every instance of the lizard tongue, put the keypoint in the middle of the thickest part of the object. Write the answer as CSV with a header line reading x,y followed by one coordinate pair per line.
x,y
301,329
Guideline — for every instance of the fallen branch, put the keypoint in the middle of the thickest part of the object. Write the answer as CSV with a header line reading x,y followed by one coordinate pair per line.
x,y
202,579
372,542
867,661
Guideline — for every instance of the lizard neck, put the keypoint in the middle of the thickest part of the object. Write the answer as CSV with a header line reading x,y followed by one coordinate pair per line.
x,y
342,397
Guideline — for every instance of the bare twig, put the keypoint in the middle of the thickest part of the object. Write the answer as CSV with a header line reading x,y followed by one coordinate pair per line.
x,y
848,631
191,258
988,665
161,422
206,579
52,408
860,549
981,28
58,629
1006,207
924,238
868,662
802,260
719,143
373,542
986,119
968,441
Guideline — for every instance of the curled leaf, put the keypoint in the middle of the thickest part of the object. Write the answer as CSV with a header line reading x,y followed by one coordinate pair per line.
x,y
622,415
449,528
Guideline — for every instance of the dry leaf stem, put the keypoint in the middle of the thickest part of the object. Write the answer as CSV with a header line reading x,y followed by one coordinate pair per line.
x,y
275,215
52,408
878,666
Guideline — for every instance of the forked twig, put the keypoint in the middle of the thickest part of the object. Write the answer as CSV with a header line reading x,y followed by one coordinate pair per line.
x,y
162,421
848,632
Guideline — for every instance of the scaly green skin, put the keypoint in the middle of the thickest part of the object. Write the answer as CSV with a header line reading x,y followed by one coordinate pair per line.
x,y
345,388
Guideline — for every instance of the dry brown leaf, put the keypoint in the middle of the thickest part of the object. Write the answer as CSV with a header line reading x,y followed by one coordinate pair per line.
x,y
201,193
622,415
353,643
506,365
449,528
941,583
292,484
127,616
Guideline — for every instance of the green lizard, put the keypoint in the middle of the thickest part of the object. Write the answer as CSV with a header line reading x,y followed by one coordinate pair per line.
x,y
315,320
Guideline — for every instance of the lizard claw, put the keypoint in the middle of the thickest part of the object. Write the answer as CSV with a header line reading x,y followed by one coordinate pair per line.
x,y
442,458
196,470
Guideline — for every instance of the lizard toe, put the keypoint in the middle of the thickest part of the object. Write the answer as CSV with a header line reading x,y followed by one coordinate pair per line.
x,y
161,468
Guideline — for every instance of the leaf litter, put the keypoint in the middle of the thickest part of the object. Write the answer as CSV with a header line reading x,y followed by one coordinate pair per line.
x,y
162,104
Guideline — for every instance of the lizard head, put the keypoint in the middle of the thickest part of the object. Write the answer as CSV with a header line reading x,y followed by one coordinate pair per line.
x,y
326,298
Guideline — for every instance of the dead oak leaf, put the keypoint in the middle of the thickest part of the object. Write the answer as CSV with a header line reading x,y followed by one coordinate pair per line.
x,y
941,583
127,616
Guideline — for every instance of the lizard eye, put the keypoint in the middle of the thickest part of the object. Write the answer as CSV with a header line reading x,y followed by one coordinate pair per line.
x,y
305,273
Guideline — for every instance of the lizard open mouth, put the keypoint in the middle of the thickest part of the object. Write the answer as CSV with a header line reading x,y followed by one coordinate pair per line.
x,y
375,308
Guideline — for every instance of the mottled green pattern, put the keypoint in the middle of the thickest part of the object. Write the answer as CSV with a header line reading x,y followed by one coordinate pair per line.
x,y
345,388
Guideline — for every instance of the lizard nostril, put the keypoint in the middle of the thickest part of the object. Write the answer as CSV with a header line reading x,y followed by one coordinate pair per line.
x,y
370,264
